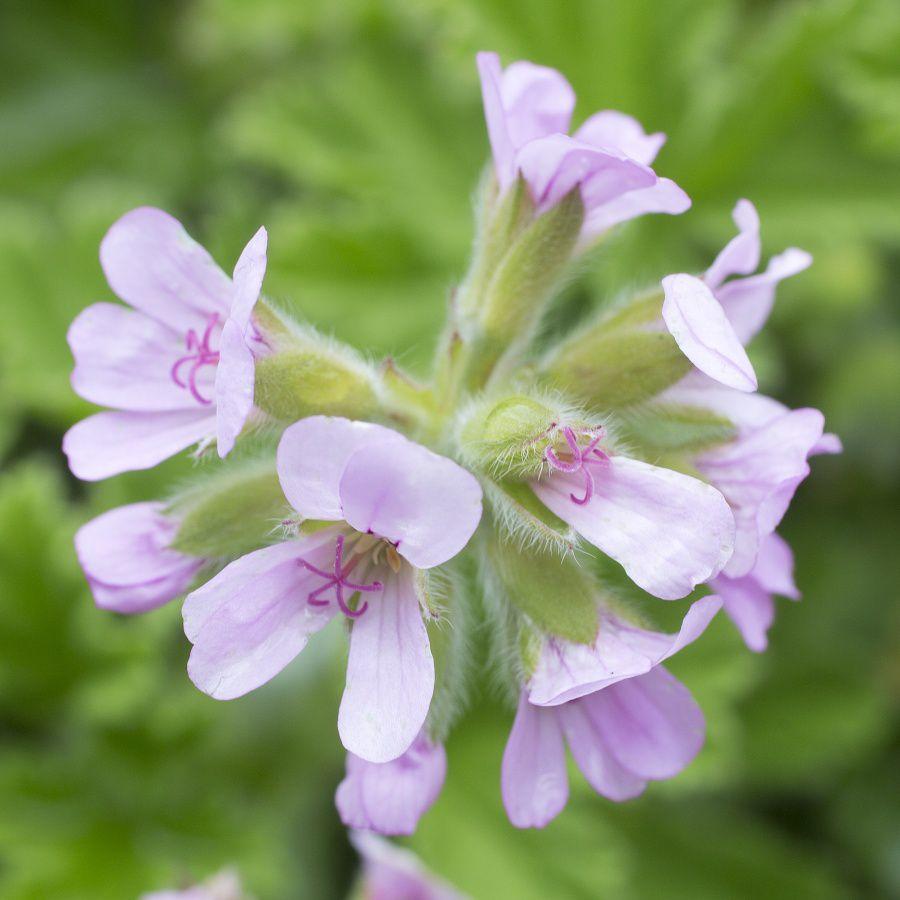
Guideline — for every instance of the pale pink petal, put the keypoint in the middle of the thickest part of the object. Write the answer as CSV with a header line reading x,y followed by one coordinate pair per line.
x,y
828,444
740,256
617,131
140,598
537,100
391,872
749,605
746,411
663,197
234,387
554,165
109,443
390,674
520,104
758,475
391,797
774,568
748,301
425,504
152,264
252,619
312,456
127,560
696,320
248,278
651,724
748,599
124,359
603,771
669,531
533,777
491,74
566,671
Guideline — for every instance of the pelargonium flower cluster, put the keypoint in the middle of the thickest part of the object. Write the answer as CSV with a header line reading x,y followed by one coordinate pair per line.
x,y
497,496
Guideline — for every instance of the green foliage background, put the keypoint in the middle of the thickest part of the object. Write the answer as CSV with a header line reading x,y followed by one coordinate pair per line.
x,y
352,129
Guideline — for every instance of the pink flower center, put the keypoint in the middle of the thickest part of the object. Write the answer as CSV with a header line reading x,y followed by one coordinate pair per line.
x,y
577,459
337,579
199,354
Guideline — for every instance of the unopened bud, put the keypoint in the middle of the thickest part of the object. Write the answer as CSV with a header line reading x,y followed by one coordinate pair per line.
x,y
673,431
557,595
621,359
509,437
519,260
306,380
230,513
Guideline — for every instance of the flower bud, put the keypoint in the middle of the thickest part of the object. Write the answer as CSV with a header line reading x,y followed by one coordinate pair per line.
x,y
519,261
306,379
557,595
447,601
129,560
508,438
621,359
230,513
671,433
521,517
504,436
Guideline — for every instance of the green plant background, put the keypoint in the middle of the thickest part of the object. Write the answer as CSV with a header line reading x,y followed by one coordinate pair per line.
x,y
352,129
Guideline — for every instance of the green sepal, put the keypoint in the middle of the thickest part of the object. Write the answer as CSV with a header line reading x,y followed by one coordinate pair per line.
x,y
270,322
669,428
530,269
502,218
624,357
556,593
403,393
530,643
304,381
521,517
230,513
432,591
447,599
619,368
507,436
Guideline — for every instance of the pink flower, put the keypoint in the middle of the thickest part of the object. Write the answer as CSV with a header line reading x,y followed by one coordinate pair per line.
x,y
759,471
398,509
748,599
528,109
758,474
713,319
394,873
670,532
625,719
175,367
127,559
391,797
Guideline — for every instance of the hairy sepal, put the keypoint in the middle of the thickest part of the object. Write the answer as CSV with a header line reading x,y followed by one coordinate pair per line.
x,y
623,358
524,521
507,437
233,512
310,375
449,591
557,595
665,429
530,269
501,218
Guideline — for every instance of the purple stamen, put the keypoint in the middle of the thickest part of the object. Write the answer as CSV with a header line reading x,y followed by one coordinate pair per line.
x,y
201,354
337,579
581,456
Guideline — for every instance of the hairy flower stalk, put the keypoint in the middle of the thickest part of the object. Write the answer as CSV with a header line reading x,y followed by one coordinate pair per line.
x,y
496,499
